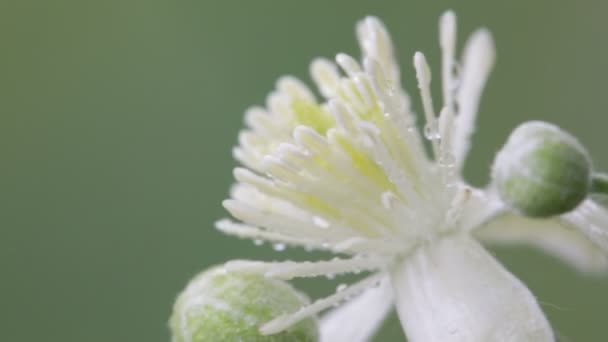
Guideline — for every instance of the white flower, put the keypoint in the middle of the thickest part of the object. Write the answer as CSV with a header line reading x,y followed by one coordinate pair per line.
x,y
351,175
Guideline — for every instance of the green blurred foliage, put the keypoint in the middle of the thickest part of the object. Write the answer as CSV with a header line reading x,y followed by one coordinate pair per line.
x,y
117,119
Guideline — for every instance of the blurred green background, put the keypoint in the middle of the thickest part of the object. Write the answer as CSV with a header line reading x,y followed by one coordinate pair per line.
x,y
117,119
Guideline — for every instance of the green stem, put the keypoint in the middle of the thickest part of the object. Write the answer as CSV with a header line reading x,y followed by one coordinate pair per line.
x,y
599,183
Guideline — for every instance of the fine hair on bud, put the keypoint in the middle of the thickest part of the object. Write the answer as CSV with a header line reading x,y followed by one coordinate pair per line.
x,y
541,170
231,306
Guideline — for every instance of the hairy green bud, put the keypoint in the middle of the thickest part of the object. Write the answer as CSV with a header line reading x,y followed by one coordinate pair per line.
x,y
231,306
542,171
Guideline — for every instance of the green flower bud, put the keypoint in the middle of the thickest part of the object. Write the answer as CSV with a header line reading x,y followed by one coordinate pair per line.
x,y
221,306
542,171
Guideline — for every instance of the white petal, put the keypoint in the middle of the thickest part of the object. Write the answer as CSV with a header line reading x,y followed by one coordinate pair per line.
x,y
556,236
591,219
453,290
347,323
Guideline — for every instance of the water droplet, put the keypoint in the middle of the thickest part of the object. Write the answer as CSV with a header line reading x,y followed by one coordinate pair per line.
x,y
341,287
258,242
455,85
320,222
447,160
367,141
330,276
390,87
431,130
388,199
279,247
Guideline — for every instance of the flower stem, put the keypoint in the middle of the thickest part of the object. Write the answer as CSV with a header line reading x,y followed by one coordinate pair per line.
x,y
599,183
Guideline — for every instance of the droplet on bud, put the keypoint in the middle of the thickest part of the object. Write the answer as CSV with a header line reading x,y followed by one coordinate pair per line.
x,y
231,306
542,171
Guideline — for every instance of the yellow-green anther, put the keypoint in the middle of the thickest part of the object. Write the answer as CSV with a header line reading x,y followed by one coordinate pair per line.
x,y
542,171
231,306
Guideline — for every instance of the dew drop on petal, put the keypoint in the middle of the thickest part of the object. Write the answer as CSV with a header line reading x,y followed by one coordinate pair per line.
x,y
258,242
330,276
341,287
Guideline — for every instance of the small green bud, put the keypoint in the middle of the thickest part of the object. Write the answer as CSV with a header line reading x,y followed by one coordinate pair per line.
x,y
222,306
542,171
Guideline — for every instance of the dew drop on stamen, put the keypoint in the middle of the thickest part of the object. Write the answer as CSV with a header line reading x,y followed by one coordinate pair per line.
x,y
388,199
431,130
447,160
367,141
455,86
279,247
390,88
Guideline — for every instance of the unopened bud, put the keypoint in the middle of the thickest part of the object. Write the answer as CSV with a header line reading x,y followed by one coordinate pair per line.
x,y
231,306
542,171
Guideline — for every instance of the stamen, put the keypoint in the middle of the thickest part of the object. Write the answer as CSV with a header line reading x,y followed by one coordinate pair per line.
x,y
375,43
423,74
287,270
478,60
447,42
285,321
294,88
257,234
326,76
348,64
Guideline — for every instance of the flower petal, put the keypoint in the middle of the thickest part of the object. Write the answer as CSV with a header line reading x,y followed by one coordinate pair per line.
x,y
571,238
591,219
453,290
348,324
